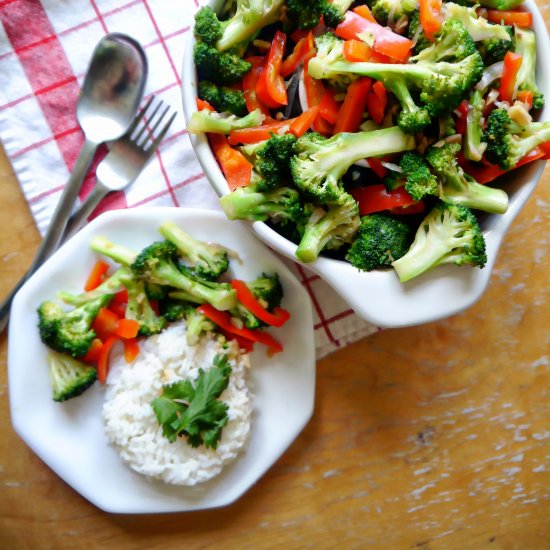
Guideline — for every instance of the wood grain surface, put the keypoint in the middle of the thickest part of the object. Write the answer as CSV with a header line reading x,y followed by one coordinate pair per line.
x,y
431,437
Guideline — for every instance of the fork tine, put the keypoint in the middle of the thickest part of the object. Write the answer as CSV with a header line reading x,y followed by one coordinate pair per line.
x,y
151,133
140,116
158,139
143,129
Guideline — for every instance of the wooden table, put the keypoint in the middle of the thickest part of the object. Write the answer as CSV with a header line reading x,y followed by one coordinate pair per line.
x,y
431,437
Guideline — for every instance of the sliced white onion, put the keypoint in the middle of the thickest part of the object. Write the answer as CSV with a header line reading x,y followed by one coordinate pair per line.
x,y
302,96
490,74
393,167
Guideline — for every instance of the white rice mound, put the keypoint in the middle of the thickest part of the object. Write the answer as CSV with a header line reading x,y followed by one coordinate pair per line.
x,y
130,423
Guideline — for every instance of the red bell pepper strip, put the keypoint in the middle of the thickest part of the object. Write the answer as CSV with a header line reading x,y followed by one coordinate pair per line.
x,y
386,41
105,323
510,17
131,349
270,87
245,296
223,320
103,361
329,107
545,148
377,167
375,198
303,122
92,355
303,51
486,173
356,51
249,88
234,165
315,90
512,63
377,101
525,96
97,275
202,104
355,103
430,17
118,303
259,133
364,11
126,328
462,119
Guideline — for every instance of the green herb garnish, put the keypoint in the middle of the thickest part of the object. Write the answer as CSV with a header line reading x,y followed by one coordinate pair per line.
x,y
194,412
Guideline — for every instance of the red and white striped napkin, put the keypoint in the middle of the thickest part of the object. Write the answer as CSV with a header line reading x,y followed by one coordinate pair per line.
x,y
45,47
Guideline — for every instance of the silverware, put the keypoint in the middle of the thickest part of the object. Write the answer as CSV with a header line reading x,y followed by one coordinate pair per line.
x,y
126,159
110,96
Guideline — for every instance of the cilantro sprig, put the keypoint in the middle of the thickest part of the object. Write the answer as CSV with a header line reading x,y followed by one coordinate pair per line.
x,y
194,411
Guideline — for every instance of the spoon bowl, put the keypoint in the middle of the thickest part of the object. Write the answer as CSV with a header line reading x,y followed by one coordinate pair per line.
x,y
112,89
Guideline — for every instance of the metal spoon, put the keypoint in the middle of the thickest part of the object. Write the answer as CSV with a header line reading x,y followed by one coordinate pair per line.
x,y
109,100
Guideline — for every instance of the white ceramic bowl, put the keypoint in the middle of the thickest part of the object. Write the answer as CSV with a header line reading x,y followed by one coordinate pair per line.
x,y
69,436
378,296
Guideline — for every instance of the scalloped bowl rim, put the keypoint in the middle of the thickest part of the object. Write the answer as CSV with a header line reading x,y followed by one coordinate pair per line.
x,y
378,296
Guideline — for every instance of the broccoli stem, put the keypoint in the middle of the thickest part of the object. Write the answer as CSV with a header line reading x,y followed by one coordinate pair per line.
x,y
473,147
474,195
338,153
116,252
108,288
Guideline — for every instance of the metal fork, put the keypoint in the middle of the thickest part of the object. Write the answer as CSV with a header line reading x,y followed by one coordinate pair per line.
x,y
126,159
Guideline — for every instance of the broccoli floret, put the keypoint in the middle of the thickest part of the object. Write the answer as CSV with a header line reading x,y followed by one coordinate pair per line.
x,y
526,46
419,180
508,142
381,239
417,34
249,17
412,118
208,260
247,203
139,308
305,14
318,167
68,376
208,27
451,43
443,85
335,12
173,309
222,98
478,27
69,332
382,9
197,325
221,123
474,146
493,50
221,68
158,263
459,188
329,229
449,234
271,160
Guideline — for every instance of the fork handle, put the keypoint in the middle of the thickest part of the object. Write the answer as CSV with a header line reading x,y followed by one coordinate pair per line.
x,y
55,230
78,219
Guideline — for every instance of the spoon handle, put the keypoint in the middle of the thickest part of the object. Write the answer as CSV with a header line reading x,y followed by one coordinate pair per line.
x,y
78,219
55,230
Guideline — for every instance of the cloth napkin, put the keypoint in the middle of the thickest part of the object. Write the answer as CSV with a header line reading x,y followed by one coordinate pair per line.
x,y
45,47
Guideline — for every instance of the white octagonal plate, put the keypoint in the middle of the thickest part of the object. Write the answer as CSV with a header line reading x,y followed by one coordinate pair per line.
x,y
69,436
